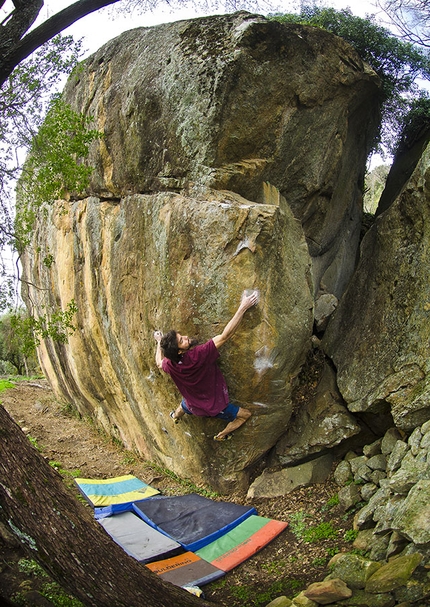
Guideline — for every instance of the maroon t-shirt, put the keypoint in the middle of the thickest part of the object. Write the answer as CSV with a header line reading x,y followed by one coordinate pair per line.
x,y
199,379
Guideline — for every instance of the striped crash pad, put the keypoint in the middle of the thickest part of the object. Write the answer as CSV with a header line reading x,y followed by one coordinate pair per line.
x,y
119,490
242,542
138,539
192,520
187,569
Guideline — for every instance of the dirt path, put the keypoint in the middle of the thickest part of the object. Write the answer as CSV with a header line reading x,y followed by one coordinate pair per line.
x,y
75,448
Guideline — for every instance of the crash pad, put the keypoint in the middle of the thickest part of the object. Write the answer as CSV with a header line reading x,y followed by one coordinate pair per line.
x,y
138,539
192,520
187,569
118,490
112,509
242,542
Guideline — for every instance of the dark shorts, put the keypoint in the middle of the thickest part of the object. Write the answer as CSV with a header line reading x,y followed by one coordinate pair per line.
x,y
228,414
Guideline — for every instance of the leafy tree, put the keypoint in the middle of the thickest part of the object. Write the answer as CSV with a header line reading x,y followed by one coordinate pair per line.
x,y
17,345
411,17
416,121
24,100
398,63
52,170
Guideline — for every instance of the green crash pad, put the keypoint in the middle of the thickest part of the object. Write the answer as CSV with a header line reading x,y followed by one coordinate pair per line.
x,y
242,542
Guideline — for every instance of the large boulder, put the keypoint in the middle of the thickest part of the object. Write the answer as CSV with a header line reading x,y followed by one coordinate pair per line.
x,y
231,102
164,261
233,154
378,337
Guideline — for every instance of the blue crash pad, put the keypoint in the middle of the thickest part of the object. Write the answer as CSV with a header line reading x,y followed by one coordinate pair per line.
x,y
192,520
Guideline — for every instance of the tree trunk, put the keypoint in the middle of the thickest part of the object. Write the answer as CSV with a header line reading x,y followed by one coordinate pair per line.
x,y
17,23
14,51
62,535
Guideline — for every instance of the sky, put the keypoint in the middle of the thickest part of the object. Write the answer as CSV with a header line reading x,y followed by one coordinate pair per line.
x,y
100,27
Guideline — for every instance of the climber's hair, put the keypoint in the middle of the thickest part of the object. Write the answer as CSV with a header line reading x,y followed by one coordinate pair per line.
x,y
169,346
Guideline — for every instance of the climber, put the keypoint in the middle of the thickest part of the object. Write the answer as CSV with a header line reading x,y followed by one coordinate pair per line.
x,y
198,378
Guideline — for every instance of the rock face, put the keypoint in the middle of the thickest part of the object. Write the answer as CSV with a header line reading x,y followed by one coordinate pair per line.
x,y
379,335
233,153
165,261
230,103
318,426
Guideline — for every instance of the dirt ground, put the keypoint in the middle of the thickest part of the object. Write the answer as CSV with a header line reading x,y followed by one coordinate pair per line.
x,y
75,448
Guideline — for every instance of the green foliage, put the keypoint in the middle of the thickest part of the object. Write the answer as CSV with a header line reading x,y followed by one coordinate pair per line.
x,y
332,551
56,325
416,121
250,596
128,460
322,531
54,168
34,442
20,333
58,597
275,567
243,593
24,99
185,483
5,385
332,502
350,535
17,344
319,561
397,63
58,466
30,567
298,525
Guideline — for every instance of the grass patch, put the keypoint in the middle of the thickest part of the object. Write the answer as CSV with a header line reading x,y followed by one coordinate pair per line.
x,y
34,442
129,459
323,531
350,535
332,551
275,567
242,593
278,588
303,532
5,385
58,466
331,503
319,561
251,597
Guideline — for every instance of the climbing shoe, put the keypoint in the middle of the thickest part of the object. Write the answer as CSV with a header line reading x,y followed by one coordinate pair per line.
x,y
221,438
175,419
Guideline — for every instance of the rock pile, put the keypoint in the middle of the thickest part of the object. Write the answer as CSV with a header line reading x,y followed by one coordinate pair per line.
x,y
355,581
392,477
389,486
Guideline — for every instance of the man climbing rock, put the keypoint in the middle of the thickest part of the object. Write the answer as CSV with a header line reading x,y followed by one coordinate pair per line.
x,y
198,378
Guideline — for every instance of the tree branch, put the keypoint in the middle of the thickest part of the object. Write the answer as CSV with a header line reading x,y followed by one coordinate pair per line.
x,y
47,30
